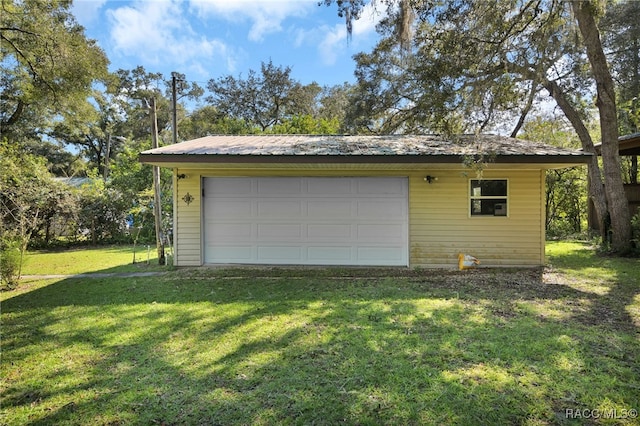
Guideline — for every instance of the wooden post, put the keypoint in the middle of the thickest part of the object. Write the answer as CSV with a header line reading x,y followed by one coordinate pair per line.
x,y
157,206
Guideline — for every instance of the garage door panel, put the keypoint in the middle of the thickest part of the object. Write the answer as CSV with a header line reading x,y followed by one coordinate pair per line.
x,y
230,232
329,209
380,210
279,208
332,232
378,231
333,186
228,186
231,253
280,254
231,208
285,186
376,255
279,232
331,255
318,220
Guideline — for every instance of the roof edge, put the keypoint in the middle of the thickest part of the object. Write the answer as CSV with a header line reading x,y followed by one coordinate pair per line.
x,y
583,158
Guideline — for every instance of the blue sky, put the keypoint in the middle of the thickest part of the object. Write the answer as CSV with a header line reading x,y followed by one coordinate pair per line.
x,y
206,39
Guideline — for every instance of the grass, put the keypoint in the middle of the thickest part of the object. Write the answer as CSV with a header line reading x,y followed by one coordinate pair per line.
x,y
328,346
91,260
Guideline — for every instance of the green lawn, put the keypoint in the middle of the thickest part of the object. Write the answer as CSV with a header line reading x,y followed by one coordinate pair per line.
x,y
91,260
329,346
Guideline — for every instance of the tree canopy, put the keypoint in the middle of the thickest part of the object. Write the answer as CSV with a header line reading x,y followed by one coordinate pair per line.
x,y
48,66
266,99
466,65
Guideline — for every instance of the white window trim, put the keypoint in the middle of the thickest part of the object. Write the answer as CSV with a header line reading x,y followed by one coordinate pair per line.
x,y
471,197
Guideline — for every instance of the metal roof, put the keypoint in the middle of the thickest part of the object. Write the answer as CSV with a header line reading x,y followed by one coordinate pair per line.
x,y
627,145
340,148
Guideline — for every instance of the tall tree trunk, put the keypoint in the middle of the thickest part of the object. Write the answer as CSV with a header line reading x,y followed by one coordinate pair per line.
x,y
617,203
596,187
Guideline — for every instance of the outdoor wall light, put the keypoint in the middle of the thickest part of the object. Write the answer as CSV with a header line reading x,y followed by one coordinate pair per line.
x,y
182,176
430,179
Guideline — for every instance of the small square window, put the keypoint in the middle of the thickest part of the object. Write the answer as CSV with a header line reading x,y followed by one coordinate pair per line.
x,y
488,197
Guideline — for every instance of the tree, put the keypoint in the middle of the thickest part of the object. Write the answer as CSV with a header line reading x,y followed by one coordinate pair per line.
x,y
306,125
47,65
103,212
133,180
60,162
26,188
565,188
264,99
207,120
585,13
334,105
465,65
621,41
98,132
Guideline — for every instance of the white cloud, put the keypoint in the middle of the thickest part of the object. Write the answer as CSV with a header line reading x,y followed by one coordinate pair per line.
x,y
87,11
334,40
157,32
266,16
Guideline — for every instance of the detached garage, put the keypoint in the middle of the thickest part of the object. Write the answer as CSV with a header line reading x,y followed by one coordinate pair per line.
x,y
359,200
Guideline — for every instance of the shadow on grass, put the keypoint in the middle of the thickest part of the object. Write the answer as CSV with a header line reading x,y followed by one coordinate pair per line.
x,y
317,346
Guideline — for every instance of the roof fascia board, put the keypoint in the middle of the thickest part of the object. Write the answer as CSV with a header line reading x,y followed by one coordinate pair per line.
x,y
359,159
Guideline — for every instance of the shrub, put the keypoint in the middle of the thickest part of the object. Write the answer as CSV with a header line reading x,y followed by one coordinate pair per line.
x,y
10,264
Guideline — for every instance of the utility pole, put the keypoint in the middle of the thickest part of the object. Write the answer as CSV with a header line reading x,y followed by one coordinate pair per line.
x,y
174,100
157,206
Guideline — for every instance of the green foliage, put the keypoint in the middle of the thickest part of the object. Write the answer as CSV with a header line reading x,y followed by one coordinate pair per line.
x,y
207,120
468,65
103,212
10,263
48,65
621,39
566,189
59,214
26,193
60,162
566,201
307,125
273,102
133,180
36,209
261,99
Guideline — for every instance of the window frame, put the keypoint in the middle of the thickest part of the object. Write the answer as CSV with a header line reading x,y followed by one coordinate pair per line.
x,y
471,198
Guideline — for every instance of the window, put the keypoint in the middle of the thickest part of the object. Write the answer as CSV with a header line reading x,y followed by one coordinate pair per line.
x,y
488,197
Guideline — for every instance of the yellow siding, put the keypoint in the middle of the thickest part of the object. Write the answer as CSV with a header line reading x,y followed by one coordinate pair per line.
x,y
440,226
187,231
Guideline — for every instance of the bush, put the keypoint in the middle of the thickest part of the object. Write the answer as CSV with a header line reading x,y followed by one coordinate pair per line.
x,y
102,214
10,264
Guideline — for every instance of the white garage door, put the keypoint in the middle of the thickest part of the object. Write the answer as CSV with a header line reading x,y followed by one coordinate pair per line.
x,y
306,220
